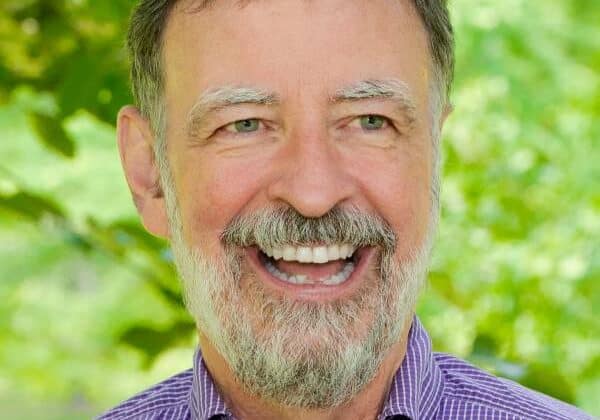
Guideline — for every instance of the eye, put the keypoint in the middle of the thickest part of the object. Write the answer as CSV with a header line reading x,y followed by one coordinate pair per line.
x,y
243,126
373,122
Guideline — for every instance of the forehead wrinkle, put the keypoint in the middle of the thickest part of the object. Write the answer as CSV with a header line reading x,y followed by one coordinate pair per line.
x,y
219,98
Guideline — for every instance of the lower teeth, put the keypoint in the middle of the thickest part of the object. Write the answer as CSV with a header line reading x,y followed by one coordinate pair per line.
x,y
333,280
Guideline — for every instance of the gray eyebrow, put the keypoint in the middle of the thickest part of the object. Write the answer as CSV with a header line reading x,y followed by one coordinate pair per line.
x,y
389,89
222,97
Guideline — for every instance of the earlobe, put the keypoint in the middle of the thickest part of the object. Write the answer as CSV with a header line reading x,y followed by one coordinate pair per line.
x,y
135,140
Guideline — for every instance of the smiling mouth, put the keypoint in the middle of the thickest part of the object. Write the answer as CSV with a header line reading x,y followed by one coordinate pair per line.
x,y
331,265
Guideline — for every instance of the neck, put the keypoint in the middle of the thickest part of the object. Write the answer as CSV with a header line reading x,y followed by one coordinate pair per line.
x,y
365,405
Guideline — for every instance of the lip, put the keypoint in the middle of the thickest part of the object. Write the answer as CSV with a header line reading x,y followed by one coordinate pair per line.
x,y
314,292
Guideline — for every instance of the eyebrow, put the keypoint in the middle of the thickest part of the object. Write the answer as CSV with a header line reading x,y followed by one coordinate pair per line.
x,y
216,99
387,89
219,98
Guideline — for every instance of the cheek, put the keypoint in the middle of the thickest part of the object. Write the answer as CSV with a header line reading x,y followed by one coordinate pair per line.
x,y
213,193
398,189
410,213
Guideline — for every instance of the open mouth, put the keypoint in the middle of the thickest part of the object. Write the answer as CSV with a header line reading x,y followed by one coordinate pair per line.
x,y
330,265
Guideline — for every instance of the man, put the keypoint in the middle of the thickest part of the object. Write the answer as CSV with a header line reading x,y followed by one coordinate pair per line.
x,y
289,151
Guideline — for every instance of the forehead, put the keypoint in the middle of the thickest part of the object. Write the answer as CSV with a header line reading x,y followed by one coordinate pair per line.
x,y
293,47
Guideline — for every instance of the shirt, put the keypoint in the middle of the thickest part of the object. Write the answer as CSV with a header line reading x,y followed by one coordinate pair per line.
x,y
427,386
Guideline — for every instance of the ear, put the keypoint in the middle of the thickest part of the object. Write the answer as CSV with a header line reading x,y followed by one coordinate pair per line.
x,y
136,140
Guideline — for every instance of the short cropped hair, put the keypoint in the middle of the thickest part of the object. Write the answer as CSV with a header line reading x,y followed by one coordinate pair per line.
x,y
145,42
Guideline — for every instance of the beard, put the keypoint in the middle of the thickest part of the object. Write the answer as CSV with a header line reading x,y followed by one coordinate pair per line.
x,y
297,353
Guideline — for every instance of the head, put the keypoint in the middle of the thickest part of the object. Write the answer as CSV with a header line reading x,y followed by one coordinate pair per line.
x,y
289,150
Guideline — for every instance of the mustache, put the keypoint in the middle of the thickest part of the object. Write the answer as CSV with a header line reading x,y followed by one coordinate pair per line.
x,y
277,227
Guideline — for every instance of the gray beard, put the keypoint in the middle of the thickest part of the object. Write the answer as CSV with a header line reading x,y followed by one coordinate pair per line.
x,y
293,353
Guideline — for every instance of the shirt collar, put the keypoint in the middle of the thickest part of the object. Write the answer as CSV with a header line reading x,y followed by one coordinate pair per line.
x,y
205,400
415,392
417,387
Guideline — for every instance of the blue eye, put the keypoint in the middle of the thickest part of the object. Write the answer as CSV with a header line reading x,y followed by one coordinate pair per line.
x,y
372,122
246,126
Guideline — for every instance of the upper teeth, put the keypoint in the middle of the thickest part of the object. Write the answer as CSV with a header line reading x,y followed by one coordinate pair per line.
x,y
316,254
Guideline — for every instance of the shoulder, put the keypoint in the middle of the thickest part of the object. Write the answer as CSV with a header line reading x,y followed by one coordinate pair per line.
x,y
168,400
469,392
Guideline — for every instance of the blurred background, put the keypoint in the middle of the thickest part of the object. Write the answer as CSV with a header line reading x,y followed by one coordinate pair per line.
x,y
90,311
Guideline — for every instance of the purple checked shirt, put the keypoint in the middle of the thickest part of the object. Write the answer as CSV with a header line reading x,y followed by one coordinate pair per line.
x,y
427,386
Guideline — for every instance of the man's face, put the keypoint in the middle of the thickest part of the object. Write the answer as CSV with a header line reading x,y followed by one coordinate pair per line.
x,y
288,124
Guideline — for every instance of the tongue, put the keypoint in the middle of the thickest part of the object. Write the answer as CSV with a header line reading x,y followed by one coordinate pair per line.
x,y
313,271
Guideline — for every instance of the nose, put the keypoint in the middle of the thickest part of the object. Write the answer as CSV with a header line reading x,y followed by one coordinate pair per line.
x,y
312,177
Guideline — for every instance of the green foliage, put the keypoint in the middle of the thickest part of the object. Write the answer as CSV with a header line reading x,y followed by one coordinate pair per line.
x,y
91,310
51,132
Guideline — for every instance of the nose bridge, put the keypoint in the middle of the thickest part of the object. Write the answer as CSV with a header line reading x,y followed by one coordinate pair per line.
x,y
312,179
313,158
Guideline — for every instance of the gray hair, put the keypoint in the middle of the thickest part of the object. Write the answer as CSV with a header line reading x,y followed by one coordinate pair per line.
x,y
145,42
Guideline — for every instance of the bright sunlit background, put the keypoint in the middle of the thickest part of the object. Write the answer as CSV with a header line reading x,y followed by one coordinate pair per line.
x,y
90,311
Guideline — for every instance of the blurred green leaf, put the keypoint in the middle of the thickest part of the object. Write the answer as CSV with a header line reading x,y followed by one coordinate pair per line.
x,y
548,382
51,134
31,206
151,341
484,345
